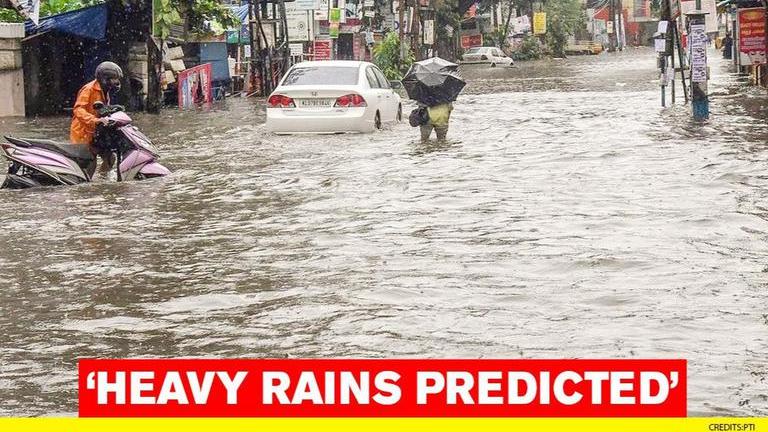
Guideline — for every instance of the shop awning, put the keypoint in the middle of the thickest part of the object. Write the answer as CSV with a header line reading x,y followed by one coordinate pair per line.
x,y
89,23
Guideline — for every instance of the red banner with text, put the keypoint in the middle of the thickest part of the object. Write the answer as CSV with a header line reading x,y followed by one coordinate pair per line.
x,y
382,388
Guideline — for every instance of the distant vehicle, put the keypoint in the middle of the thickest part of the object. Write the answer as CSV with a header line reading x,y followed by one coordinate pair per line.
x,y
332,97
584,47
489,55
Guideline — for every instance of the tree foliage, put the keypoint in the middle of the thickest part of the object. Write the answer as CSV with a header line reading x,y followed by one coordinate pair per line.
x,y
386,55
564,18
529,49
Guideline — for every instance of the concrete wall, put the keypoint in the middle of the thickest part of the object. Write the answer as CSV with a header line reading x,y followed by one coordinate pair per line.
x,y
11,73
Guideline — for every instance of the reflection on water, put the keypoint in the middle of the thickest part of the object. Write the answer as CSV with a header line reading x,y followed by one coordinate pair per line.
x,y
567,216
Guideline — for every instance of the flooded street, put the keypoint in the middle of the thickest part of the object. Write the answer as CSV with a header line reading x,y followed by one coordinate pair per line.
x,y
568,216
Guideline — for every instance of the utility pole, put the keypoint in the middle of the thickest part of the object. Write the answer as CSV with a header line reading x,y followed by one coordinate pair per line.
x,y
679,45
697,37
612,26
401,19
415,31
617,23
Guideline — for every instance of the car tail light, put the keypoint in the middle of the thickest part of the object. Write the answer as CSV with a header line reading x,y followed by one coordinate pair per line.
x,y
483,57
350,101
280,101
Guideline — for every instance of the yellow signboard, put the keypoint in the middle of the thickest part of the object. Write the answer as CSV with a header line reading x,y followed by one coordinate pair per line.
x,y
539,23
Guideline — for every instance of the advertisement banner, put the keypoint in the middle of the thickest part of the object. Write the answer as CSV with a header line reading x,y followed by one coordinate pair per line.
x,y
194,86
469,41
539,23
752,36
322,49
333,30
521,24
334,16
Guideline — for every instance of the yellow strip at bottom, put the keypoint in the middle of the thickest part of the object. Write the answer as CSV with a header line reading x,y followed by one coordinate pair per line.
x,y
706,424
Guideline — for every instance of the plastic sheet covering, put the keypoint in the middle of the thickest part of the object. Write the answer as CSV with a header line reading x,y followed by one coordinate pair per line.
x,y
89,23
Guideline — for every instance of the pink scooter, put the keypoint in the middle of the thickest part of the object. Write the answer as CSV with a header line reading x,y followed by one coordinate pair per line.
x,y
35,162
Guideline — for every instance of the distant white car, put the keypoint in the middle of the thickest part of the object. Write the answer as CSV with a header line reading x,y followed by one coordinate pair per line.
x,y
332,97
489,55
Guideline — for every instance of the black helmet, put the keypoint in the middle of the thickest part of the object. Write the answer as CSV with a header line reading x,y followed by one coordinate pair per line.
x,y
109,75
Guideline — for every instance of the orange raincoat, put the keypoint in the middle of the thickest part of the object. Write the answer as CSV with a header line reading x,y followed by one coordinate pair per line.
x,y
83,115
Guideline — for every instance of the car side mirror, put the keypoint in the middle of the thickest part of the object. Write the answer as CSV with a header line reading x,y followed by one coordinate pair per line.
x,y
396,84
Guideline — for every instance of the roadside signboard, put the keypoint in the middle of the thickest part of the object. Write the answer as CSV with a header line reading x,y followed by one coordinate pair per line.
x,y
429,32
304,5
334,16
194,86
539,23
299,23
321,10
322,49
297,49
752,36
469,41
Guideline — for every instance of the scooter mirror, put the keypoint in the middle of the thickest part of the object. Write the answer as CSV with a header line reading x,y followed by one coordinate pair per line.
x,y
98,105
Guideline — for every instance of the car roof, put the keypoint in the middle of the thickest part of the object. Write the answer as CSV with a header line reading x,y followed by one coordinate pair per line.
x,y
332,63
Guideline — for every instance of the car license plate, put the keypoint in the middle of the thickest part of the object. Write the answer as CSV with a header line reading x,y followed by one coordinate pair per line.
x,y
316,103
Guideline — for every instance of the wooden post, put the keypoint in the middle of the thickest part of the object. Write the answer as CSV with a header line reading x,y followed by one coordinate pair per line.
x,y
155,68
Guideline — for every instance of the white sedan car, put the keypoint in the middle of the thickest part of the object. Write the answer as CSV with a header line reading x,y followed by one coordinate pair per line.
x,y
488,55
332,97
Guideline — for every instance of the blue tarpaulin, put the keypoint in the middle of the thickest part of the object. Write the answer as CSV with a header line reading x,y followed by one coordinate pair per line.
x,y
241,12
89,23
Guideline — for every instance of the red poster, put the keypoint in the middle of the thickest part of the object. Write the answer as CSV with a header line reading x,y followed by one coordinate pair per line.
x,y
194,86
469,41
322,50
752,36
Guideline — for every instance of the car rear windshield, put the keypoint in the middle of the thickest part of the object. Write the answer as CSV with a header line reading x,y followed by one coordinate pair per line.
x,y
322,75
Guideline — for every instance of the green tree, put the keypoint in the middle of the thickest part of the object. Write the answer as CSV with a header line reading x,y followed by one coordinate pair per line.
x,y
386,55
564,18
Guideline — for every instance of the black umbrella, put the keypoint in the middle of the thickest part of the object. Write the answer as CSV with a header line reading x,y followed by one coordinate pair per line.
x,y
432,87
436,64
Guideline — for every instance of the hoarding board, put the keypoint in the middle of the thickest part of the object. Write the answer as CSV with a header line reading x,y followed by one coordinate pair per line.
x,y
751,23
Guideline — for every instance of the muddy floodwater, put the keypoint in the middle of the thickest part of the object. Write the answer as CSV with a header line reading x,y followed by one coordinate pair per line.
x,y
567,216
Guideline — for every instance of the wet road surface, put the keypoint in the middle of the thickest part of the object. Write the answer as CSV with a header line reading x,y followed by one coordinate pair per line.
x,y
568,216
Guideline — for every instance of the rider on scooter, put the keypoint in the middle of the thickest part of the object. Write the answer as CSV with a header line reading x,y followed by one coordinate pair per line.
x,y
84,117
